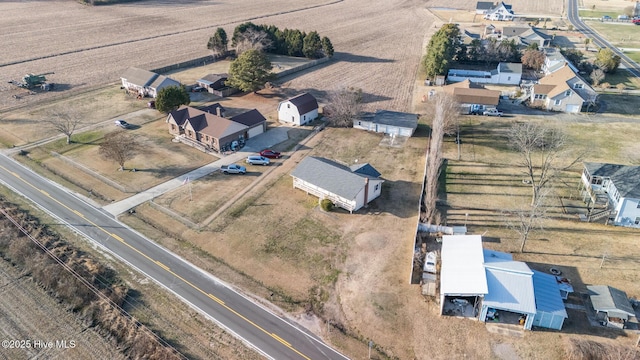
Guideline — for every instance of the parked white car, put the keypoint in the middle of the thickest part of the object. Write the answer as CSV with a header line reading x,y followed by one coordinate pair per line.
x,y
492,112
430,262
257,160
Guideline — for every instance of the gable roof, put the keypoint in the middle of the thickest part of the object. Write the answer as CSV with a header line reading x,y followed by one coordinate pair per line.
x,y
211,78
625,178
543,89
484,5
250,118
510,290
609,299
547,294
331,176
476,96
162,81
304,103
139,76
212,109
560,81
507,67
206,123
365,169
395,118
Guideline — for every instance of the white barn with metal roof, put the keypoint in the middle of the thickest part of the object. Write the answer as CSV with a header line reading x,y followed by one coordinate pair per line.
x,y
348,188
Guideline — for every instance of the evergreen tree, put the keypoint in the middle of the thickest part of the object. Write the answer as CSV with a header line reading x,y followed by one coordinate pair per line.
x,y
327,47
171,97
441,50
250,71
218,43
312,46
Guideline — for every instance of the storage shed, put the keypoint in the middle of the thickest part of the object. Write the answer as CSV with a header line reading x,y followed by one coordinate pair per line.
x,y
611,305
550,310
389,122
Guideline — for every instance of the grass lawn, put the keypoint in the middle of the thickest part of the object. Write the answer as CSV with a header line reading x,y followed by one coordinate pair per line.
x,y
599,13
622,104
620,35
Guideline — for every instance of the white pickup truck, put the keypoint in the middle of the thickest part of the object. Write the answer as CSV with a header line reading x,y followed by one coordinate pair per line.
x,y
492,112
233,169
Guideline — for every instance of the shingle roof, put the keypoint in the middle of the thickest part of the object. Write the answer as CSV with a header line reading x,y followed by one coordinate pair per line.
x,y
625,178
543,89
330,176
547,294
212,109
365,169
139,76
250,118
395,118
560,80
606,298
477,96
162,81
214,77
304,103
484,5
206,123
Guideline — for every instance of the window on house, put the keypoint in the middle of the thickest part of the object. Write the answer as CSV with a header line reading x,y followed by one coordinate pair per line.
x,y
578,86
288,106
596,180
637,222
567,93
359,123
508,78
558,102
376,187
638,206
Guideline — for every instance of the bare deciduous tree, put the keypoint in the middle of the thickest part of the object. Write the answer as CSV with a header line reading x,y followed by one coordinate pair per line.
x,y
345,105
252,39
543,154
445,112
119,147
597,75
64,121
526,219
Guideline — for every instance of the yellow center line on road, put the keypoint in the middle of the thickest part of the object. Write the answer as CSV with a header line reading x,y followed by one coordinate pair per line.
x,y
162,266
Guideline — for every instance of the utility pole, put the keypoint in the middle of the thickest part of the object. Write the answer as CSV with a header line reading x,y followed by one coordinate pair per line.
x,y
370,346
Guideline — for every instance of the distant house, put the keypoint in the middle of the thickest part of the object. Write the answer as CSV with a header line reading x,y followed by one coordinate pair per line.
x,y
504,74
211,132
467,37
468,94
215,84
563,90
145,83
348,188
298,110
500,12
388,122
483,6
612,306
617,188
524,36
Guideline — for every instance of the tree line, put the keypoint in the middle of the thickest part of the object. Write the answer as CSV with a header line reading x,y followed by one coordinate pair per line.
x,y
445,49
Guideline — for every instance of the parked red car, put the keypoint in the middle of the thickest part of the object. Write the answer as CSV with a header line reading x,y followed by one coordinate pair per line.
x,y
268,153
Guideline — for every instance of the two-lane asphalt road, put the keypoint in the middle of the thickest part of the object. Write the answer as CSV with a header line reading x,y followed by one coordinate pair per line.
x,y
574,18
271,335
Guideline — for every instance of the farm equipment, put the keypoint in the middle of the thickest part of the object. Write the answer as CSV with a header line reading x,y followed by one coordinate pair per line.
x,y
32,81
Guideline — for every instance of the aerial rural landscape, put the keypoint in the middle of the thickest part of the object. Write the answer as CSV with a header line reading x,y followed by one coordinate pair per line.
x,y
327,179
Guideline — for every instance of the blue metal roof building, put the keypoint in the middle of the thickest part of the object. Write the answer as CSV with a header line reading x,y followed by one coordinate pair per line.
x,y
550,310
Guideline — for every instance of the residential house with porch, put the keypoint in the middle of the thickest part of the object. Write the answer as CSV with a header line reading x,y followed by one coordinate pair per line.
x,y
500,12
612,190
145,83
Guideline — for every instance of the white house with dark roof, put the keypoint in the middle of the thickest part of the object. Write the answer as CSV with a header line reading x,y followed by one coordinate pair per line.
x,y
524,36
504,74
500,12
298,110
554,61
388,122
145,83
618,187
348,188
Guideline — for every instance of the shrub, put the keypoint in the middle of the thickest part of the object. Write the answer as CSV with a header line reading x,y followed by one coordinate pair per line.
x,y
326,205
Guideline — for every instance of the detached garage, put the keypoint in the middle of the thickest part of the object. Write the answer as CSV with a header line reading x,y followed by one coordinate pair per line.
x,y
389,122
254,120
550,310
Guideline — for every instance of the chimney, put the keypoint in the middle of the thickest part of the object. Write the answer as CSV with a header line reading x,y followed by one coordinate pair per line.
x,y
219,111
366,191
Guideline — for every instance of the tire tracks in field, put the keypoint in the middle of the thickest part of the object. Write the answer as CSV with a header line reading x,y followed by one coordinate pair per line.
x,y
167,34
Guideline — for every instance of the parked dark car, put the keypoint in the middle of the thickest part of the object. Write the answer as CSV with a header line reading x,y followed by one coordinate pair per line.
x,y
198,89
268,153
